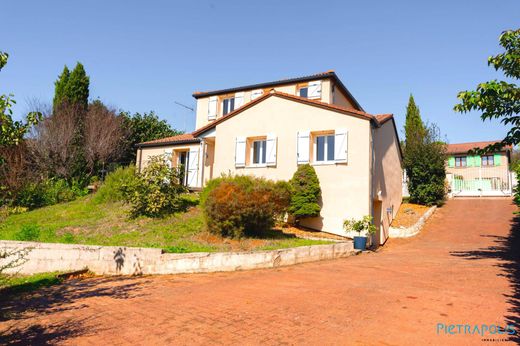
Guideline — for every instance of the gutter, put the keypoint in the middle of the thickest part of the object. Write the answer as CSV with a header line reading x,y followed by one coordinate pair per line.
x,y
162,144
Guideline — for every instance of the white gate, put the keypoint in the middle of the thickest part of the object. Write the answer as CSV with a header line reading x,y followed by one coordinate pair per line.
x,y
481,181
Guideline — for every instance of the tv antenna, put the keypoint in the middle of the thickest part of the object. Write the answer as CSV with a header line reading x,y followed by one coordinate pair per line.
x,y
183,105
187,107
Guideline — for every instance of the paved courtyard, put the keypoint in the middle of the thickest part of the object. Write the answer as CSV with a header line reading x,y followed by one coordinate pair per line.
x,y
463,268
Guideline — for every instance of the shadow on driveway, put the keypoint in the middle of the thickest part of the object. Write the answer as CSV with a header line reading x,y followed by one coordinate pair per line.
x,y
507,251
72,295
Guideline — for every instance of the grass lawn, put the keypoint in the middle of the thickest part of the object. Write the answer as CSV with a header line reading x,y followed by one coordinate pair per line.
x,y
25,283
84,221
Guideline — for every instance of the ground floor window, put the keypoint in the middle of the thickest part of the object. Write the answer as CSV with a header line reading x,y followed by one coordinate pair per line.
x,y
259,152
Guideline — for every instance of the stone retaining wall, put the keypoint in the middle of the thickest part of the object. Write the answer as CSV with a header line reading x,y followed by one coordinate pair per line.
x,y
402,232
114,260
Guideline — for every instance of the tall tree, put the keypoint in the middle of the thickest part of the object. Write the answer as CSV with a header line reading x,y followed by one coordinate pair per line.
x,y
413,127
77,87
423,160
59,88
71,100
104,136
498,99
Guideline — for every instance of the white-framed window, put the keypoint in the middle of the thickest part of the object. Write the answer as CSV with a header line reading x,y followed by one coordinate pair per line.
x,y
259,152
228,105
324,148
460,161
488,160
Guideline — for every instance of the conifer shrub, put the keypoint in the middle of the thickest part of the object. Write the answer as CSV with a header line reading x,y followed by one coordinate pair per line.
x,y
305,193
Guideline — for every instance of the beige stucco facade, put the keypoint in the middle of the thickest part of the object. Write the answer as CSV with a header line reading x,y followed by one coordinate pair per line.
x,y
386,182
365,178
339,182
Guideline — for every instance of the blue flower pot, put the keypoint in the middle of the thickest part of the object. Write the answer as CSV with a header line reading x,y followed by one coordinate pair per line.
x,y
360,243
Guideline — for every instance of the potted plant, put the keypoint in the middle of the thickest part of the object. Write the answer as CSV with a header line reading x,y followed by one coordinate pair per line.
x,y
363,227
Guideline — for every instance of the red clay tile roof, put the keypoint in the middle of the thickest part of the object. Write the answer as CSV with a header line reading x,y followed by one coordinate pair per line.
x,y
378,119
383,118
322,75
184,138
304,100
459,148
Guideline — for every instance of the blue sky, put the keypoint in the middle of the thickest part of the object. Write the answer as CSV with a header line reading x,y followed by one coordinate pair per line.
x,y
143,56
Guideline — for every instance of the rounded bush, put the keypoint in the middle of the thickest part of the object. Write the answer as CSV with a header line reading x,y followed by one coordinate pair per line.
x,y
237,206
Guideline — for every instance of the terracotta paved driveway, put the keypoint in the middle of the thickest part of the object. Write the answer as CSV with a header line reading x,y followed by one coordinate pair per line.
x,y
463,269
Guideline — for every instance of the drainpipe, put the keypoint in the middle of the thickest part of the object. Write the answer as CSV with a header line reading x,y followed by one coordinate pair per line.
x,y
371,175
203,145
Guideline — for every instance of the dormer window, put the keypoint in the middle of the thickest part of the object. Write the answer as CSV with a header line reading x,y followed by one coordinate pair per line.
x,y
303,92
311,90
228,105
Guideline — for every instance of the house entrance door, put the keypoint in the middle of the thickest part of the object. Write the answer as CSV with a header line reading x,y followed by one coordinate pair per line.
x,y
183,167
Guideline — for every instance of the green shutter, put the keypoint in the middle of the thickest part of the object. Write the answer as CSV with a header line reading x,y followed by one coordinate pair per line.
x,y
477,161
496,159
469,161
451,161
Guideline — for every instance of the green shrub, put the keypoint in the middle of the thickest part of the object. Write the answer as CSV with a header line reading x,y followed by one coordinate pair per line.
x,y
363,227
237,206
154,192
424,161
28,232
112,188
49,192
306,193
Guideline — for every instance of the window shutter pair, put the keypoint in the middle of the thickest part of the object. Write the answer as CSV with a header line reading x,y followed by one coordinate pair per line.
x,y
340,146
314,90
241,147
212,108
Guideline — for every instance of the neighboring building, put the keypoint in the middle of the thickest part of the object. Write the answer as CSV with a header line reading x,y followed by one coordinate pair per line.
x,y
478,175
268,129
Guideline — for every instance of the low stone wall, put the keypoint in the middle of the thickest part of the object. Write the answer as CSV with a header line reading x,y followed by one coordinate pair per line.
x,y
114,260
402,232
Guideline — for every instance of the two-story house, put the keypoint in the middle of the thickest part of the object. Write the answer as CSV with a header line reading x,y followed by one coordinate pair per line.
x,y
469,174
268,129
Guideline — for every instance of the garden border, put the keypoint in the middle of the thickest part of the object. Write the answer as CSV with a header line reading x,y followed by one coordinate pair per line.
x,y
119,260
406,232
